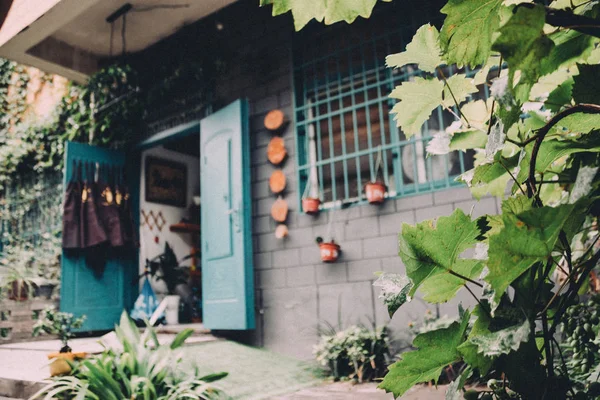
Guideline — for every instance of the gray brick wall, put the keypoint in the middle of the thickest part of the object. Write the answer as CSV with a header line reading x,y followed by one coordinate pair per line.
x,y
294,290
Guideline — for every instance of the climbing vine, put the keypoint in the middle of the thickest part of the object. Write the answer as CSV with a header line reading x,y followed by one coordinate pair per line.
x,y
537,141
111,109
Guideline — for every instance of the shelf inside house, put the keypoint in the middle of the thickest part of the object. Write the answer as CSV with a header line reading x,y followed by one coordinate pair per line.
x,y
185,227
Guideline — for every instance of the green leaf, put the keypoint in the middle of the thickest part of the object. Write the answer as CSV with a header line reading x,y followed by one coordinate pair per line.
x,y
435,350
570,46
586,88
503,341
580,123
181,338
440,288
395,289
424,50
454,390
466,36
331,11
417,100
468,140
523,44
527,237
560,96
469,351
551,150
429,250
458,87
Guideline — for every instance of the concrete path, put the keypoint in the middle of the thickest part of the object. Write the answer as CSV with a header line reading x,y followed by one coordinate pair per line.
x,y
366,391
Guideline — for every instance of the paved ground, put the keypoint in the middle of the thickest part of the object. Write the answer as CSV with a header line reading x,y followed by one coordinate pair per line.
x,y
366,391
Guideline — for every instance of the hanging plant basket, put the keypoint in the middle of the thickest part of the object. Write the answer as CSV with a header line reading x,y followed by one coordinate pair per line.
x,y
330,251
310,205
375,192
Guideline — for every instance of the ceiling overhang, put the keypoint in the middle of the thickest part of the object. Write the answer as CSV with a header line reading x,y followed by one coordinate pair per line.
x,y
71,37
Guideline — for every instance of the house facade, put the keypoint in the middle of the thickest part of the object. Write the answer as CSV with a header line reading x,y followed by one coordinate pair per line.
x,y
332,85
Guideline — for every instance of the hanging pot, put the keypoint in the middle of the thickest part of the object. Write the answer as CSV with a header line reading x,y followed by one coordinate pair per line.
x,y
375,192
330,251
310,205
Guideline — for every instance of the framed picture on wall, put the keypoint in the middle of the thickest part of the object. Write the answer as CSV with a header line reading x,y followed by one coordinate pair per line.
x,y
165,182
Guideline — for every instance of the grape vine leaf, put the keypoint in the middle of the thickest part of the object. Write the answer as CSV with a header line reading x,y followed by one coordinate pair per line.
x,y
586,88
331,11
466,36
503,341
454,389
527,237
429,250
435,350
560,96
551,150
569,46
395,289
580,123
469,350
458,87
418,99
424,50
440,288
468,140
523,44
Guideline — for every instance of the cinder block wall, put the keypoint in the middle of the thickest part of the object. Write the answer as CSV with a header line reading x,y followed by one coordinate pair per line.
x,y
295,292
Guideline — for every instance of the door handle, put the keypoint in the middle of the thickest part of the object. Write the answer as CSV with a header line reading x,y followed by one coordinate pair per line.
x,y
235,218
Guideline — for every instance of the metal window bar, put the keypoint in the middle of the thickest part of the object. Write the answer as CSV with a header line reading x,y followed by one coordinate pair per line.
x,y
325,101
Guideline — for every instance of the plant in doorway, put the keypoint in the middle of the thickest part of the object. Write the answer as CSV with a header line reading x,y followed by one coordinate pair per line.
x,y
176,278
63,325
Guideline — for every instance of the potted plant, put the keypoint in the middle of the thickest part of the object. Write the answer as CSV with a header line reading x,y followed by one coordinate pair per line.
x,y
175,277
310,205
330,251
47,266
62,324
375,192
18,259
375,189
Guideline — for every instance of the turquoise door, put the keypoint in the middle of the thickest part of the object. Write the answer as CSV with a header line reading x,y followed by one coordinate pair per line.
x,y
227,271
99,293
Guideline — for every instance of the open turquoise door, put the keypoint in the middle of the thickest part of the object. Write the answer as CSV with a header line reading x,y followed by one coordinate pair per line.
x,y
100,294
227,271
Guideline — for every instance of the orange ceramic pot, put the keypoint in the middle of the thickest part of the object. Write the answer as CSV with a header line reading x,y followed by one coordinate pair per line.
x,y
310,205
60,362
329,252
375,192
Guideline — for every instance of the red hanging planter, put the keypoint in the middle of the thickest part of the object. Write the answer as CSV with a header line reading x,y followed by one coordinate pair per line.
x,y
310,205
375,192
330,251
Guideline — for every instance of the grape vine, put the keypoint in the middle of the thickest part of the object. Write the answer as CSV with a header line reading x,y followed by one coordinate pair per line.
x,y
532,329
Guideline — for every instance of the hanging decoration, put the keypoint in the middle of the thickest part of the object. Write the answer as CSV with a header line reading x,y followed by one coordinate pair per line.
x,y
279,210
277,181
328,248
276,151
376,189
274,120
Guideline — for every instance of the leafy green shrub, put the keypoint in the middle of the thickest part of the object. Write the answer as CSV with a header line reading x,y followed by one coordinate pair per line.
x,y
137,367
539,135
58,323
356,352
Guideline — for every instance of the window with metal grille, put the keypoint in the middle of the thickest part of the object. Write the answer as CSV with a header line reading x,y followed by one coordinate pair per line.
x,y
346,136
